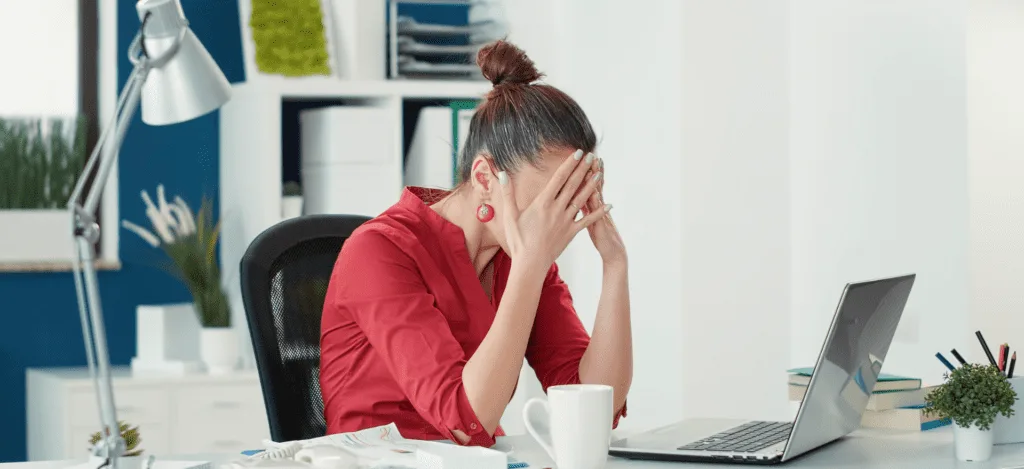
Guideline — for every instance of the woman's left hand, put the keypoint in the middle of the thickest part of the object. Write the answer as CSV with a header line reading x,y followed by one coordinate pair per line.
x,y
603,232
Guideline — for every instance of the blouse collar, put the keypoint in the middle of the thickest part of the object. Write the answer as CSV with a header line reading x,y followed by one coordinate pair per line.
x,y
417,200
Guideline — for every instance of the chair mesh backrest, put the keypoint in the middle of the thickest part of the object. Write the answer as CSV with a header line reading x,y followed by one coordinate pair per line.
x,y
285,273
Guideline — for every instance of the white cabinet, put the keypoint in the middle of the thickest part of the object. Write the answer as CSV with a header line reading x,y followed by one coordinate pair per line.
x,y
190,414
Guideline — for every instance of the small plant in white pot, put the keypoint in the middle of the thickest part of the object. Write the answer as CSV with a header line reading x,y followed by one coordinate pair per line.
x,y
972,396
190,241
132,457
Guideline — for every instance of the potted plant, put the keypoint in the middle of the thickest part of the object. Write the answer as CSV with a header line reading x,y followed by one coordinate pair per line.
x,y
40,161
132,457
972,396
291,201
190,243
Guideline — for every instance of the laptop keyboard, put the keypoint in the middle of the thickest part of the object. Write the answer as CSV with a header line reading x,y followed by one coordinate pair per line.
x,y
749,437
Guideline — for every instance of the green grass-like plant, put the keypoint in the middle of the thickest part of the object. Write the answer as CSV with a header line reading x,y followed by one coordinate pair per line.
x,y
131,436
972,396
40,161
289,37
190,242
194,262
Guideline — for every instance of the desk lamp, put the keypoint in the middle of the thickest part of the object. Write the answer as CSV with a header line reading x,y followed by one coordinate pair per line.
x,y
176,80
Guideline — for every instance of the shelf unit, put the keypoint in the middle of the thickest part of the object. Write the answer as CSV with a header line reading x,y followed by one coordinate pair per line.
x,y
251,143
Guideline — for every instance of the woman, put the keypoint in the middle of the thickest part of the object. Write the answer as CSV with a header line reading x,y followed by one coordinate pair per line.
x,y
434,305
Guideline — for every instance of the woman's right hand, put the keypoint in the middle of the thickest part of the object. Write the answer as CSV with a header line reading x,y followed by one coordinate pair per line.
x,y
539,234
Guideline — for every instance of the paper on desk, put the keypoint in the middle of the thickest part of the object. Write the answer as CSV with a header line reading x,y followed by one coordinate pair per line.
x,y
377,447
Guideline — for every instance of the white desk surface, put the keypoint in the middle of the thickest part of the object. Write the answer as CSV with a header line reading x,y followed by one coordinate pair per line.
x,y
862,449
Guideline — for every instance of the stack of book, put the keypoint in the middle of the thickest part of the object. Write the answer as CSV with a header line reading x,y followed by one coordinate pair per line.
x,y
897,402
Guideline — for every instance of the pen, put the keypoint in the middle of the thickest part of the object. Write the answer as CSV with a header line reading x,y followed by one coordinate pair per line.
x,y
1002,358
958,357
944,361
1013,361
1006,357
984,346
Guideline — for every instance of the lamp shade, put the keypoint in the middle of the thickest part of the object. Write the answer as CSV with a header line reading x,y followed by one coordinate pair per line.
x,y
186,85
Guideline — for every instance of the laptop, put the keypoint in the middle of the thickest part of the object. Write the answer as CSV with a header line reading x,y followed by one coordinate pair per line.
x,y
844,376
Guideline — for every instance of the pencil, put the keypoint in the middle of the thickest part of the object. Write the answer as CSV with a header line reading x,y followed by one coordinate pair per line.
x,y
1013,361
1005,357
1002,358
958,357
944,361
984,346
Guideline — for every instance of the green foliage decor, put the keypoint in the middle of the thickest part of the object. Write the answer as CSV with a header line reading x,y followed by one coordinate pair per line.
x,y
190,243
40,161
289,37
131,436
973,395
291,189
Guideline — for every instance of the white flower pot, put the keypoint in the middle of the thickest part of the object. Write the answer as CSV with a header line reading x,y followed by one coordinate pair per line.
x,y
131,462
291,206
972,444
218,348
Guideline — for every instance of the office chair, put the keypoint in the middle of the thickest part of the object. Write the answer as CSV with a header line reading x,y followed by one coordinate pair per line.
x,y
284,274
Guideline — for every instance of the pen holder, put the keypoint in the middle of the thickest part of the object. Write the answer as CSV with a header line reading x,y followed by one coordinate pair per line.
x,y
1011,430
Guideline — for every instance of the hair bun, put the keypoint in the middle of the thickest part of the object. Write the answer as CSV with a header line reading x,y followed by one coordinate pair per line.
x,y
502,63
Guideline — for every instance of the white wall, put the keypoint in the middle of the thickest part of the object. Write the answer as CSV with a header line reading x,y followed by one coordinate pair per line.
x,y
995,90
735,208
878,162
40,57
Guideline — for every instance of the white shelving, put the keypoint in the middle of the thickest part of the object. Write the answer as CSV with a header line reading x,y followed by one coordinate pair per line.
x,y
329,87
251,147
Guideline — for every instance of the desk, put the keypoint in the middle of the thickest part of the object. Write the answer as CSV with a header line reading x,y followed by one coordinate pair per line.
x,y
862,449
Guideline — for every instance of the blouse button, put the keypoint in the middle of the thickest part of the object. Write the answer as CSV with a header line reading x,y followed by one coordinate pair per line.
x,y
472,426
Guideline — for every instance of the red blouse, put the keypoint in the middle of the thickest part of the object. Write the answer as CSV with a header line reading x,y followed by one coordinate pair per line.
x,y
404,312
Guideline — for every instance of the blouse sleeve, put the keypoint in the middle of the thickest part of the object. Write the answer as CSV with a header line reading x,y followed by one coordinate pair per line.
x,y
389,301
558,340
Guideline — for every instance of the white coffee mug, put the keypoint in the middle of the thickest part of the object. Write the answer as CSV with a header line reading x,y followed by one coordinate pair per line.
x,y
581,425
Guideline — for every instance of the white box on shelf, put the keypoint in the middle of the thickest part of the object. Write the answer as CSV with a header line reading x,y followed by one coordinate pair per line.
x,y
35,236
356,35
430,163
350,164
167,339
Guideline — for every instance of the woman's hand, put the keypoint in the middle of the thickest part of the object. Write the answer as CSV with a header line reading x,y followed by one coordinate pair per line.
x,y
539,234
603,232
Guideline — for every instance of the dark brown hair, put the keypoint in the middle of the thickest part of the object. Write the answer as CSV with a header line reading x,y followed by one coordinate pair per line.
x,y
519,118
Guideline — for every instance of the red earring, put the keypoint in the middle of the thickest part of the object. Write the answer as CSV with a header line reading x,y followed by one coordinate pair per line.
x,y
484,213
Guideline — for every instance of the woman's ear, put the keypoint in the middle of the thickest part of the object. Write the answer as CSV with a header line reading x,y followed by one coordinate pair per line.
x,y
483,175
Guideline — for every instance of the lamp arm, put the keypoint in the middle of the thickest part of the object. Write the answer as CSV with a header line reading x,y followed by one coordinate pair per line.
x,y
82,206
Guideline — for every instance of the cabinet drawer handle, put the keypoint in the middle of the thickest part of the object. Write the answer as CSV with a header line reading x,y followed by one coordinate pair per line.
x,y
226,405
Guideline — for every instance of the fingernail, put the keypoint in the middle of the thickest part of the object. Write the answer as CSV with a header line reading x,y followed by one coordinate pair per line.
x,y
502,178
600,163
597,177
607,208
590,158
576,156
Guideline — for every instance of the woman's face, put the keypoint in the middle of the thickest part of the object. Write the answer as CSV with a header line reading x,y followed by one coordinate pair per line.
x,y
527,183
